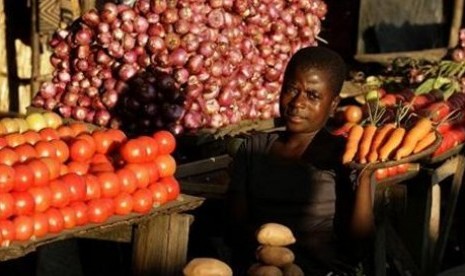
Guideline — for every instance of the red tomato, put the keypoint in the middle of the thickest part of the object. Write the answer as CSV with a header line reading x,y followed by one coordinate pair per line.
x,y
79,128
42,197
41,172
381,173
24,203
40,225
8,156
166,165
153,171
15,139
403,168
109,183
53,165
151,147
166,142
133,151
159,193
66,132
25,152
80,168
88,137
7,205
48,134
69,217
172,187
7,231
61,196
56,222
31,137
391,171
93,189
123,204
81,212
24,177
2,142
62,150
81,150
45,149
103,141
128,180
142,200
7,178
76,186
100,158
141,172
117,135
24,227
101,167
97,211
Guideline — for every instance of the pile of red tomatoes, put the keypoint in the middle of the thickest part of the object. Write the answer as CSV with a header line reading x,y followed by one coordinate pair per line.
x,y
57,179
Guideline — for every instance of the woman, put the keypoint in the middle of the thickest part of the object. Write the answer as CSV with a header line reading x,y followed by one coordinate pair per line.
x,y
295,177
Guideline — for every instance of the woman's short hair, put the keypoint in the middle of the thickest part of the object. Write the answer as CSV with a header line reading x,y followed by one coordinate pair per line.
x,y
320,58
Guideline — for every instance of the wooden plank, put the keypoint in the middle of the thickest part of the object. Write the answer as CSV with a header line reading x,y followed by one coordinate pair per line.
x,y
203,166
182,204
456,23
122,233
168,237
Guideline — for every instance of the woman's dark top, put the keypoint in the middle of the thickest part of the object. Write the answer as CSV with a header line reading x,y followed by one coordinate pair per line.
x,y
312,196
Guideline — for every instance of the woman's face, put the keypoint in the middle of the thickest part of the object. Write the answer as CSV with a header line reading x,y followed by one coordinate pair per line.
x,y
306,101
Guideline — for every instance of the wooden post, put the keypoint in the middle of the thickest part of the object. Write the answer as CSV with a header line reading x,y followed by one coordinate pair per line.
x,y
456,23
35,47
160,245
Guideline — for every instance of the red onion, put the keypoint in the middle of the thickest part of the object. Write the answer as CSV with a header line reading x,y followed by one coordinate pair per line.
x,y
216,121
226,97
181,26
50,103
115,49
185,13
194,90
38,101
172,41
155,44
159,6
64,76
118,34
84,101
97,103
142,6
62,50
47,90
102,117
181,75
128,42
79,113
216,19
109,13
64,111
83,36
156,30
90,116
82,65
169,16
127,26
91,18
128,15
70,98
207,48
190,42
178,57
91,91
192,120
152,18
143,60
109,98
85,83
195,64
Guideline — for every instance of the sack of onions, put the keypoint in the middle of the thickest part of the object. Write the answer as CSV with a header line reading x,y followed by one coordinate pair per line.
x,y
226,58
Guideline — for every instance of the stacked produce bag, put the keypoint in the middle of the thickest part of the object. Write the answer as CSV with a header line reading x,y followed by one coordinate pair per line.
x,y
224,60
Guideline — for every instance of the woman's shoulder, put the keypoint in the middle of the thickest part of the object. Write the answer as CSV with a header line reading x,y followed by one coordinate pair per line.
x,y
257,141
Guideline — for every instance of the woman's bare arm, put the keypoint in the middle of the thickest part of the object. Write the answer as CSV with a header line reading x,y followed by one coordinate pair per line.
x,y
362,222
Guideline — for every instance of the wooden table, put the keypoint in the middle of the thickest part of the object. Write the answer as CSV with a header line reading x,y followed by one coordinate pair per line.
x,y
159,238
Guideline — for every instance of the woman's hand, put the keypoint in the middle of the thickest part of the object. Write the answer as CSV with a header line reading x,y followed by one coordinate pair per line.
x,y
362,223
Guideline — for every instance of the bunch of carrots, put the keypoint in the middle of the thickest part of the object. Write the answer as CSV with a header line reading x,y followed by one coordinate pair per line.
x,y
373,142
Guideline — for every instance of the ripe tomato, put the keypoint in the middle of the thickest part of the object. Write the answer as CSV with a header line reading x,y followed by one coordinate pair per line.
x,y
151,147
25,152
79,128
24,203
117,135
61,196
381,173
88,137
100,158
392,171
24,227
128,180
15,139
172,187
80,168
24,177
403,168
97,211
141,172
76,186
40,225
153,171
353,114
142,200
166,141
103,142
3,142
56,222
123,204
45,149
101,167
159,193
7,178
81,212
8,156
42,197
62,150
31,137
166,165
53,165
81,150
93,189
7,231
41,172
109,183
48,134
65,132
7,205
133,152
69,217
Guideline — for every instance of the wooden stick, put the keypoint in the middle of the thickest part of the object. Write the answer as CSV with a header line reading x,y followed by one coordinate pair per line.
x,y
456,23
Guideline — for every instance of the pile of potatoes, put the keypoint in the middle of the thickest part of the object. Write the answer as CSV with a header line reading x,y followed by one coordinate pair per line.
x,y
273,256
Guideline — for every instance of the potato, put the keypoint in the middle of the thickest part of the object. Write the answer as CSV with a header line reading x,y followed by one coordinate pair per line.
x,y
207,267
275,255
264,270
292,270
275,234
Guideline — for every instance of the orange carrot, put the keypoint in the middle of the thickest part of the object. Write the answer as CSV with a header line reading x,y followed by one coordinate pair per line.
x,y
380,136
392,142
355,134
425,142
421,128
365,142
